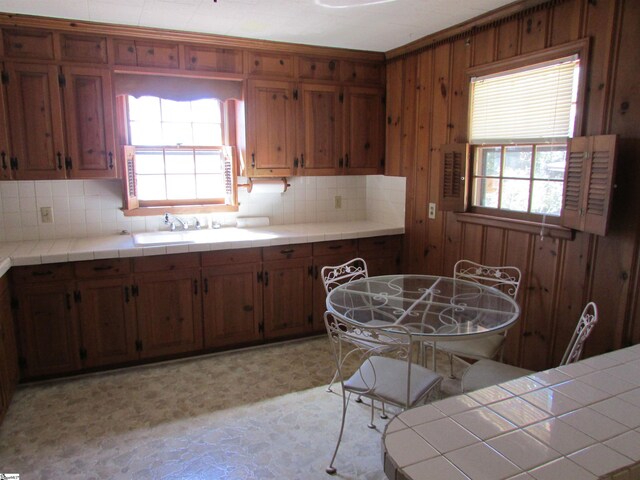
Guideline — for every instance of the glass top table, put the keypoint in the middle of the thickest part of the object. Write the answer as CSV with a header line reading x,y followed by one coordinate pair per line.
x,y
432,307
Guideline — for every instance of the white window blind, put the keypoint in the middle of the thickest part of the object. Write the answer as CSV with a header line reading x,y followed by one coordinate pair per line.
x,y
533,105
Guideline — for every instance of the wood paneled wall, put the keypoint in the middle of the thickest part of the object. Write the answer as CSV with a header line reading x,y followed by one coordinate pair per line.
x,y
427,106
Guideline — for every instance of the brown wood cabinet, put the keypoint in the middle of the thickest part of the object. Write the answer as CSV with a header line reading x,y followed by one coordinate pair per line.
x,y
288,290
168,304
6,165
47,320
232,297
382,254
364,131
8,350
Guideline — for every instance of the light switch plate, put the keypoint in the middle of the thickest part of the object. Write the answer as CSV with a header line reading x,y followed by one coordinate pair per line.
x,y
46,214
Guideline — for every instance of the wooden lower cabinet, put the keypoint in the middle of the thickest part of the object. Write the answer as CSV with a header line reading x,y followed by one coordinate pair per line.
x,y
8,349
288,291
232,297
169,312
382,254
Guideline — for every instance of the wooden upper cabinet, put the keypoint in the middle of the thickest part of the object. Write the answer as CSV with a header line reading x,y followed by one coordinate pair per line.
x,y
318,68
35,110
269,64
364,131
589,183
90,123
454,170
319,129
6,165
361,72
28,44
271,129
395,83
144,53
83,48
211,59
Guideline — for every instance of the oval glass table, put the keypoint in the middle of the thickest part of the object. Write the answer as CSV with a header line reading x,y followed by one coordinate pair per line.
x,y
433,308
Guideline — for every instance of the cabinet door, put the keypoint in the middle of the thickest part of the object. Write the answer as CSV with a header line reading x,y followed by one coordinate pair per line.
x,y
364,143
47,323
8,351
107,321
232,304
382,254
90,127
35,109
320,129
169,312
287,297
270,128
5,151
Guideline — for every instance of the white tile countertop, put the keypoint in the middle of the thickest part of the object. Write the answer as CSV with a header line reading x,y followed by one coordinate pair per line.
x,y
580,421
119,246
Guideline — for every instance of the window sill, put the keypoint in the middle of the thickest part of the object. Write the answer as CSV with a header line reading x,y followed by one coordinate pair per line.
x,y
548,230
178,210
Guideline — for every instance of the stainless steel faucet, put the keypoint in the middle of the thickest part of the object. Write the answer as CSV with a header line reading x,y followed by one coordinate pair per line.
x,y
172,224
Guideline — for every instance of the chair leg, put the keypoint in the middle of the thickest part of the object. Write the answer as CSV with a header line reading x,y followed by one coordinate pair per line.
x,y
451,375
358,399
331,470
383,415
371,424
335,376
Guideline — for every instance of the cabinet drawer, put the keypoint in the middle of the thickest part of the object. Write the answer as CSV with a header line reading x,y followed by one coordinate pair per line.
x,y
362,72
166,262
232,257
164,55
387,246
285,252
83,48
213,59
28,44
101,268
42,273
318,68
333,247
269,64
124,52
4,283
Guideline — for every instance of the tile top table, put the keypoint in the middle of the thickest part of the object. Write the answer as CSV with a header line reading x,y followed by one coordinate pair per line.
x,y
580,421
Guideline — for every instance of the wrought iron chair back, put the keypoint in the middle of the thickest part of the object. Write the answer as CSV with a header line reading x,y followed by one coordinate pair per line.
x,y
587,321
505,278
334,276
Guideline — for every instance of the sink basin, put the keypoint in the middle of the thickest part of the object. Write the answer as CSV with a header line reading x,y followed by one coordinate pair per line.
x,y
150,239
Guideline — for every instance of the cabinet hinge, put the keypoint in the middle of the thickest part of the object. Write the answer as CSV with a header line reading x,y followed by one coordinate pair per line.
x,y
126,294
83,353
77,296
295,94
138,345
14,303
259,275
134,290
5,77
310,270
22,363
62,80
341,97
310,319
382,162
261,327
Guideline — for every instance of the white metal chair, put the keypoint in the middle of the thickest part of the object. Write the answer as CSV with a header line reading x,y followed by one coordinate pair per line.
x,y
390,378
506,279
484,373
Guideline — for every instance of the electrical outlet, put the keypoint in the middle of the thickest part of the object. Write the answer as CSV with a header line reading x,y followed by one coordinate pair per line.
x,y
432,211
46,214
337,201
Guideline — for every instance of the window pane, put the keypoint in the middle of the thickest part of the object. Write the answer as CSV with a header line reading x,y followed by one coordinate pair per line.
x,y
546,197
177,133
550,162
179,161
206,111
144,109
149,162
488,164
146,133
175,111
208,162
517,162
210,186
181,187
207,134
151,187
515,195
486,192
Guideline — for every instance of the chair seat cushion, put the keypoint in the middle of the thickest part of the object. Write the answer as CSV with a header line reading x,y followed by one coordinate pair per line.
x,y
485,373
386,379
483,347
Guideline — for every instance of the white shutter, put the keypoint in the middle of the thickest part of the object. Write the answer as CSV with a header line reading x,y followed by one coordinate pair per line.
x,y
527,105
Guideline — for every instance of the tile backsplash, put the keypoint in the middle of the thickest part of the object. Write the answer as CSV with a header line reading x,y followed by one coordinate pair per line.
x,y
85,208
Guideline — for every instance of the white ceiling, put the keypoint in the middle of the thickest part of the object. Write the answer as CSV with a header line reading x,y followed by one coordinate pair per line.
x,y
376,25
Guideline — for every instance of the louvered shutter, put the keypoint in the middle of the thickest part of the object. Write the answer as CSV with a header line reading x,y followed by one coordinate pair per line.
x,y
130,185
589,181
454,172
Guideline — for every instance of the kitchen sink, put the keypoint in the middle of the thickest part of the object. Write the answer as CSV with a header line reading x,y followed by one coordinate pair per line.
x,y
177,237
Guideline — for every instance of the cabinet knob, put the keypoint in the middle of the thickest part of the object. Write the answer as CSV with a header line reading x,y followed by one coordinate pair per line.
x,y
59,156
110,160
